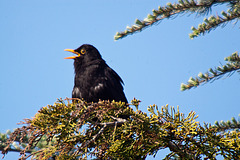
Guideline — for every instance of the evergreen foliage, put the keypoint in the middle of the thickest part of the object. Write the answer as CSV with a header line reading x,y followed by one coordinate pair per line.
x,y
200,7
233,64
81,130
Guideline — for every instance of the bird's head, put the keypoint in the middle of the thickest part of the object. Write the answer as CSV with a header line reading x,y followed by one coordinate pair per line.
x,y
85,51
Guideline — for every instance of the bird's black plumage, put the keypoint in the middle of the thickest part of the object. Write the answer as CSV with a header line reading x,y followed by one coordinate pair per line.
x,y
94,79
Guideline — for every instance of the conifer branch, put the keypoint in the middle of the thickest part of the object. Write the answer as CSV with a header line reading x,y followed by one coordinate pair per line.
x,y
214,21
14,147
111,137
184,6
214,74
228,125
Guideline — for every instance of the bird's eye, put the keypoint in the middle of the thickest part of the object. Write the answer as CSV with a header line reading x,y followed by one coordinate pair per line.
x,y
83,51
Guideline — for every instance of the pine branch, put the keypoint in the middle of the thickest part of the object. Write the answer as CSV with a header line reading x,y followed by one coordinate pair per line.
x,y
174,9
16,146
214,74
228,125
20,142
213,22
77,136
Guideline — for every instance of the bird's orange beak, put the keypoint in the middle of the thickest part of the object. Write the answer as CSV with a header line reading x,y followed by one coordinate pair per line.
x,y
73,57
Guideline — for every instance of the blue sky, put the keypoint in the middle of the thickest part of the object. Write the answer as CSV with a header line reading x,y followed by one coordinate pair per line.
x,y
152,63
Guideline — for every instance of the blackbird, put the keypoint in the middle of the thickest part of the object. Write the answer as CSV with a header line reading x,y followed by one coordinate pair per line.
x,y
94,79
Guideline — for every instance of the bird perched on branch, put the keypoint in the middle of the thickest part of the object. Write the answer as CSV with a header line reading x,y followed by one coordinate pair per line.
x,y
94,79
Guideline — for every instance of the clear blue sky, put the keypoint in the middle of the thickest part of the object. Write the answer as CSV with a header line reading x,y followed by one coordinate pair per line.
x,y
152,63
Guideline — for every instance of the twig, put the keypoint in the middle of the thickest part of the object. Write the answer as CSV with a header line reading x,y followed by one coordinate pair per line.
x,y
106,124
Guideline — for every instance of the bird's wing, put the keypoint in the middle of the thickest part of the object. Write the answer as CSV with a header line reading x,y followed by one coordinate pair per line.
x,y
108,86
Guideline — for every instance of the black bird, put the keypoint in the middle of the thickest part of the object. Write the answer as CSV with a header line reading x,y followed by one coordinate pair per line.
x,y
94,79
